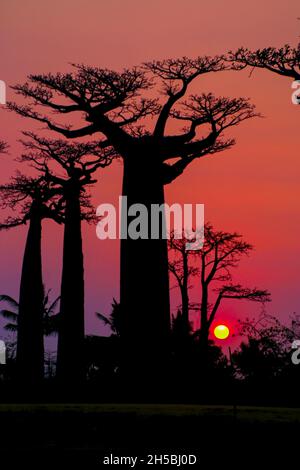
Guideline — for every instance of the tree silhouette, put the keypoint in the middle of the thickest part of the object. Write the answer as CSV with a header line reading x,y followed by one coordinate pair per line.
x,y
182,270
221,252
118,107
115,319
266,352
78,162
36,201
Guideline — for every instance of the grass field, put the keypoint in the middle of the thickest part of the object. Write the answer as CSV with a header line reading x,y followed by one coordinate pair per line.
x,y
85,433
243,414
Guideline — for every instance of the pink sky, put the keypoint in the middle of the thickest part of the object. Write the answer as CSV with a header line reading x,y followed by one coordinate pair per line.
x,y
253,188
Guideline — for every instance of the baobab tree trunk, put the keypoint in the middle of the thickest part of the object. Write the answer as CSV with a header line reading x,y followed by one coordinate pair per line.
x,y
70,353
144,277
30,341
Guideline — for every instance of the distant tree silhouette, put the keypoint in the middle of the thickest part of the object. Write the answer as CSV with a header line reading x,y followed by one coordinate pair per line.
x,y
115,105
265,354
115,319
36,200
78,161
221,252
182,270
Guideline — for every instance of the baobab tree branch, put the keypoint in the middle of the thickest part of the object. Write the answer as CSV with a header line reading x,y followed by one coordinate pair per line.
x,y
283,61
220,113
214,309
171,172
176,76
134,111
206,110
174,269
67,132
42,167
166,109
230,257
236,291
223,263
30,194
68,155
93,91
43,96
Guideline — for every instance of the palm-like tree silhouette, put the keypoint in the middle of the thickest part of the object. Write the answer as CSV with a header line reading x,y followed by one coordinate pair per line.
x,y
11,315
50,314
115,319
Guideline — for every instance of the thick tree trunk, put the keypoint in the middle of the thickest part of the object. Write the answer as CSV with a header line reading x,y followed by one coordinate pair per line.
x,y
144,277
30,342
70,353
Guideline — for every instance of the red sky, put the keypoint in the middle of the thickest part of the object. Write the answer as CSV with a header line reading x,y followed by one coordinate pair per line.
x,y
253,188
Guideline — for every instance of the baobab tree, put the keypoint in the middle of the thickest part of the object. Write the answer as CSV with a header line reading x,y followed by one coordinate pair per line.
x,y
212,267
77,163
35,200
119,106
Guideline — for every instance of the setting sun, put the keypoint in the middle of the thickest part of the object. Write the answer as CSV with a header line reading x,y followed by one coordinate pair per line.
x,y
221,331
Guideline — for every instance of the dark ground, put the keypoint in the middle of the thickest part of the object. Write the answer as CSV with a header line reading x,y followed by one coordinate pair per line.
x,y
220,436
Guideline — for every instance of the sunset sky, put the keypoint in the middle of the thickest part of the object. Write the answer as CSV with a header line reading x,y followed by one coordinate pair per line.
x,y
253,188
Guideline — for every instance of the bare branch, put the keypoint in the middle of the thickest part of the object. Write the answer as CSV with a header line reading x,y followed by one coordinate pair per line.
x,y
92,91
237,291
74,158
171,172
176,75
282,61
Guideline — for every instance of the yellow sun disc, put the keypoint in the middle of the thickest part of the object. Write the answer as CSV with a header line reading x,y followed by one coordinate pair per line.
x,y
221,331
